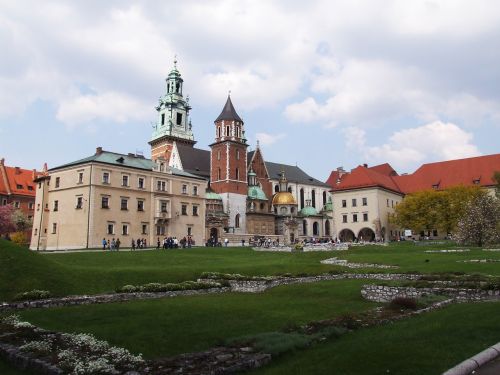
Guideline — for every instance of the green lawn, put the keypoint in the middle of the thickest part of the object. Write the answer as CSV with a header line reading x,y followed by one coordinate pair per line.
x,y
185,324
98,272
428,344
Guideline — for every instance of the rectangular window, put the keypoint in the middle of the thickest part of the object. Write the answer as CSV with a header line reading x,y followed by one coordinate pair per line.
x,y
387,202
160,230
190,231
19,186
30,188
354,202
124,204
344,203
124,180
140,205
17,204
344,218
435,233
56,205
105,177
354,218
144,229
161,185
179,119
365,201
80,178
79,202
365,217
38,207
54,228
58,180
184,189
392,203
125,229
105,202
184,209
163,119
163,206
237,154
195,210
195,190
140,183
4,202
111,228
31,206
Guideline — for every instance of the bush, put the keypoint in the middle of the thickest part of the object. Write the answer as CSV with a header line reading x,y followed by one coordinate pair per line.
x,y
19,238
157,287
404,303
32,295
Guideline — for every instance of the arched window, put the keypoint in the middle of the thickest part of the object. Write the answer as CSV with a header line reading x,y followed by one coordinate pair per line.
x,y
324,198
262,206
218,131
227,131
304,227
276,188
177,87
237,221
313,197
301,198
237,154
327,228
315,229
218,173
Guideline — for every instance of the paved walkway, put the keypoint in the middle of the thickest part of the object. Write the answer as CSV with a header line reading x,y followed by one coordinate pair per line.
x,y
491,368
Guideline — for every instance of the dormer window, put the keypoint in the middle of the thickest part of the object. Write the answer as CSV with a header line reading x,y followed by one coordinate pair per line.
x,y
120,160
19,186
435,186
476,180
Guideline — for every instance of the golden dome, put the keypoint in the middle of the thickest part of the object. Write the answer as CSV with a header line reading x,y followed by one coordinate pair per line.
x,y
283,197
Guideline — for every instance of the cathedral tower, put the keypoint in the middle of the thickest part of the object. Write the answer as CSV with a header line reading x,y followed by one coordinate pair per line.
x,y
173,124
228,165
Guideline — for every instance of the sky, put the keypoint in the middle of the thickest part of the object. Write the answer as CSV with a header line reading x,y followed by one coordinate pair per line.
x,y
320,84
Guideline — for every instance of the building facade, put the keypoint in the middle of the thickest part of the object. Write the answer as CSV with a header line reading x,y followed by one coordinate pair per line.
x,y
115,196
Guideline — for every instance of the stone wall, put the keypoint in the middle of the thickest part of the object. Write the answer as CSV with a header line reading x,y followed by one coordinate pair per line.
x,y
379,293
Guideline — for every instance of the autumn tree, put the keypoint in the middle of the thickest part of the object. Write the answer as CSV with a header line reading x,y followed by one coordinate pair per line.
x,y
480,223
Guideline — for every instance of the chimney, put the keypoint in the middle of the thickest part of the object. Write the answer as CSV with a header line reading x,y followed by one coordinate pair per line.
x,y
18,170
365,165
45,169
98,150
2,161
33,174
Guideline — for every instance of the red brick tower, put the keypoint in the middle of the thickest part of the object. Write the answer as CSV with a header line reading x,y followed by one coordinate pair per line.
x,y
228,165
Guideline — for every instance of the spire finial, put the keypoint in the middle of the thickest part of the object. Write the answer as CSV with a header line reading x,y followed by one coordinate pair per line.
x,y
175,61
229,93
258,143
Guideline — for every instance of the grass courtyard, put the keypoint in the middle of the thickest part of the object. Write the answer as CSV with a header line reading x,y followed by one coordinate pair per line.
x,y
426,344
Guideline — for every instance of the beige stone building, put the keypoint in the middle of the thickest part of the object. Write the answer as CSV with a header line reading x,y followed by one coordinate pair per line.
x,y
110,195
364,198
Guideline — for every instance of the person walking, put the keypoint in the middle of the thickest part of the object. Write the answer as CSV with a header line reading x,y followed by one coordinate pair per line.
x,y
133,244
104,243
226,242
118,242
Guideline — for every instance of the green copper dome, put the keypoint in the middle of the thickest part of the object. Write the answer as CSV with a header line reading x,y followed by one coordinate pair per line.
x,y
329,205
308,211
213,195
255,192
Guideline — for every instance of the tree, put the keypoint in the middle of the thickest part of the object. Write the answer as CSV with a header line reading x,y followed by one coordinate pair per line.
x,y
21,221
496,178
7,225
434,209
479,224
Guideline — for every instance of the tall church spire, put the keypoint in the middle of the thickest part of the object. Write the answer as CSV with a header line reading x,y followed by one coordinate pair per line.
x,y
173,122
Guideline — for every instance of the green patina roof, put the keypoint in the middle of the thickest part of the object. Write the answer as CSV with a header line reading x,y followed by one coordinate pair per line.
x,y
308,211
129,161
212,195
256,192
329,205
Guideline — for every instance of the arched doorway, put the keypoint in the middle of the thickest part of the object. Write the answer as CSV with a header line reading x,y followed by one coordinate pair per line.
x,y
346,235
315,229
214,236
327,228
366,234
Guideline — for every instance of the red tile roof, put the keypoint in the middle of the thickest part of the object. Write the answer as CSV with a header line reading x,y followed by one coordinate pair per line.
x,y
441,175
17,181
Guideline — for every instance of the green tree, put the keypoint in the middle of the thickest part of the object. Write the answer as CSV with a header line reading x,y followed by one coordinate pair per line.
x,y
496,178
434,209
480,222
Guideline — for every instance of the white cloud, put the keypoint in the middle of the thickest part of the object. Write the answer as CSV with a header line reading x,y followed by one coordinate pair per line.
x,y
408,148
110,106
267,139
